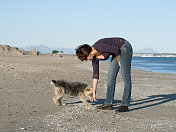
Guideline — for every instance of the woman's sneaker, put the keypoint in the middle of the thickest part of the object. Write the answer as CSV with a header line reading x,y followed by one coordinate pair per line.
x,y
105,107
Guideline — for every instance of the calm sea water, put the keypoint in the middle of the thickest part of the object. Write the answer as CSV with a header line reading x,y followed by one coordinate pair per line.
x,y
154,64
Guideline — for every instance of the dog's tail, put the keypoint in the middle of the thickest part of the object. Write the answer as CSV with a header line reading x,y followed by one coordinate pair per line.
x,y
53,82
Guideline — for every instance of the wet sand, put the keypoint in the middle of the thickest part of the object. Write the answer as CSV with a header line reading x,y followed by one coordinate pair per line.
x,y
26,98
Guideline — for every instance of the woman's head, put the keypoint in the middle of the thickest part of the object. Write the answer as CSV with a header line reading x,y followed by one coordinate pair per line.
x,y
83,51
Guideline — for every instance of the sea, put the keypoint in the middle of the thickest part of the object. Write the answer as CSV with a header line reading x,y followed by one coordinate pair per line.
x,y
154,64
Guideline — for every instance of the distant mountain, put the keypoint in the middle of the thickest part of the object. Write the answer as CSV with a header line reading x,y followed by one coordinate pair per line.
x,y
146,50
45,49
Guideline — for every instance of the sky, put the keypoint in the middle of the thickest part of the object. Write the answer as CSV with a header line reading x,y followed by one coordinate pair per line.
x,y
69,23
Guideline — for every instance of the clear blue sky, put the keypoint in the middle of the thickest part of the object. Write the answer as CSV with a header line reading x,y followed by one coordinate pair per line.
x,y
68,23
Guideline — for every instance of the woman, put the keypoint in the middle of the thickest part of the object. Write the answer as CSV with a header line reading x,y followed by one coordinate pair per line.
x,y
121,52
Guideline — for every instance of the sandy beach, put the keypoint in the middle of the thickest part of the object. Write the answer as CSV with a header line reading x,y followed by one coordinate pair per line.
x,y
26,98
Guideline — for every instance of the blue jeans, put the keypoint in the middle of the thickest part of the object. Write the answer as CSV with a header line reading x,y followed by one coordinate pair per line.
x,y
125,61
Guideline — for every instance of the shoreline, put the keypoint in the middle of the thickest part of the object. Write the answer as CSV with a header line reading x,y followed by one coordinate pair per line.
x,y
156,71
154,54
26,97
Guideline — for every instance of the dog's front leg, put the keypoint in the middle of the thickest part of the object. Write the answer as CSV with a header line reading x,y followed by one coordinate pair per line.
x,y
82,98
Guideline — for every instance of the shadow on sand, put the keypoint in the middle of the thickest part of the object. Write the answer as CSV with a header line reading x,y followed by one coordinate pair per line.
x,y
153,100
150,101
100,101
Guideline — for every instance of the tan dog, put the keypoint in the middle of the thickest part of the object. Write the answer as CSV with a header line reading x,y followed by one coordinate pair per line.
x,y
72,88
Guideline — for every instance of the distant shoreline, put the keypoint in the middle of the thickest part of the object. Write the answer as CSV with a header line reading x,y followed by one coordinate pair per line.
x,y
154,55
8,50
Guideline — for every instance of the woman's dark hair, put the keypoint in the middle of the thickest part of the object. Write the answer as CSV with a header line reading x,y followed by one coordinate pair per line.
x,y
83,51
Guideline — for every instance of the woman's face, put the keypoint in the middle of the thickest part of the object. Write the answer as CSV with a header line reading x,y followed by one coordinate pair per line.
x,y
90,57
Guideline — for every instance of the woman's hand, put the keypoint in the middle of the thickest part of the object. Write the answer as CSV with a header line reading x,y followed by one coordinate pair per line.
x,y
94,98
101,57
118,59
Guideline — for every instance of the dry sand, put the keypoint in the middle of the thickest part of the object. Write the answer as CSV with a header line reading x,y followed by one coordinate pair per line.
x,y
26,98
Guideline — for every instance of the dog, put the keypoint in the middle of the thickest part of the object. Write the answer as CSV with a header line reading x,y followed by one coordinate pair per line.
x,y
62,87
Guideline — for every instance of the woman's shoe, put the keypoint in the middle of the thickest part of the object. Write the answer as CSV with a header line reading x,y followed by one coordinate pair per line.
x,y
105,107
122,108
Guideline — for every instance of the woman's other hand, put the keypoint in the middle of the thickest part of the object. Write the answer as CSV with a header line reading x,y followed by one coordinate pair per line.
x,y
94,99
101,57
118,59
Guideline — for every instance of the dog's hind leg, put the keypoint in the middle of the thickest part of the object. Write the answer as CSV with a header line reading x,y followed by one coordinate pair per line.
x,y
58,97
59,100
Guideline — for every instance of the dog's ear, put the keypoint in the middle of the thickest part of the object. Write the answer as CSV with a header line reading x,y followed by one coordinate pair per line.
x,y
89,90
88,93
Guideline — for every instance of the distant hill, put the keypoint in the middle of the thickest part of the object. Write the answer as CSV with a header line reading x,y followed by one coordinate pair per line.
x,y
45,49
146,50
14,51
8,50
